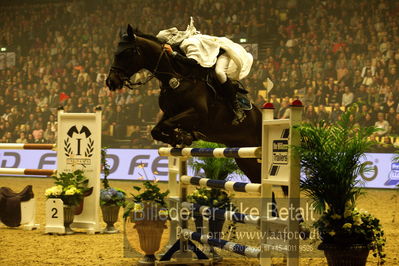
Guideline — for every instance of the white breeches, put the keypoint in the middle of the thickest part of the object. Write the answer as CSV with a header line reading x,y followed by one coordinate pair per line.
x,y
221,66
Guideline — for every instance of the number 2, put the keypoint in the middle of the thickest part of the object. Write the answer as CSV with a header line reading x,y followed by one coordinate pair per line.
x,y
55,210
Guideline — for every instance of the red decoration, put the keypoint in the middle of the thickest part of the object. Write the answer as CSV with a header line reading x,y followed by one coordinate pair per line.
x,y
63,97
268,106
297,103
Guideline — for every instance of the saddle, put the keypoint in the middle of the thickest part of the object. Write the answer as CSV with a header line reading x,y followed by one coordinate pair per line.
x,y
10,204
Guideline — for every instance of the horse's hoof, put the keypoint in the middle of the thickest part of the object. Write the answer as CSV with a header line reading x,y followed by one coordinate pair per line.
x,y
188,140
188,143
173,143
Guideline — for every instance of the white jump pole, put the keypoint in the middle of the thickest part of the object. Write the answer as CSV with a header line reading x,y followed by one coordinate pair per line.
x,y
27,146
22,171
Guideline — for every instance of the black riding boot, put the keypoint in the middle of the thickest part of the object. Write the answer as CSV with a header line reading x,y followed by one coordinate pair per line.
x,y
230,90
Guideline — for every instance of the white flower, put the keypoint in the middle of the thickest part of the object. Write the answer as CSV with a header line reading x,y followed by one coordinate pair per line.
x,y
137,207
48,192
163,212
347,213
347,226
357,220
72,191
335,216
53,191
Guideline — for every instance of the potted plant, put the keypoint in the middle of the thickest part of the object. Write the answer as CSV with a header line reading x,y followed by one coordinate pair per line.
x,y
111,199
330,156
216,169
148,211
214,198
70,187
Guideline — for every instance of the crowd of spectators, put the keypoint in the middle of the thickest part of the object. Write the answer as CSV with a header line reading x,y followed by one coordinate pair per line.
x,y
329,54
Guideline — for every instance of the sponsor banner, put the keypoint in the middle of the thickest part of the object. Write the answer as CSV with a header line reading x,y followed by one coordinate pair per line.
x,y
31,159
132,164
384,174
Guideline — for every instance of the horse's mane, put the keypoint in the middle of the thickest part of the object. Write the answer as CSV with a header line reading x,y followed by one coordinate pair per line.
x,y
147,36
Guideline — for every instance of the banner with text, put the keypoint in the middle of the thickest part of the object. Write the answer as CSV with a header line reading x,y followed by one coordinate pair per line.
x,y
134,164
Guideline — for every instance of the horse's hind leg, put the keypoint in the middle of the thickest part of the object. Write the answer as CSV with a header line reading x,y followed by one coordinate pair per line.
x,y
251,168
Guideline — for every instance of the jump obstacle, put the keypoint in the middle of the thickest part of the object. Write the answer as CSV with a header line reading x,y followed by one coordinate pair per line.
x,y
78,147
27,146
280,167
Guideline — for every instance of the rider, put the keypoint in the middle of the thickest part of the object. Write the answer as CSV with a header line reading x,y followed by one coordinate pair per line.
x,y
231,60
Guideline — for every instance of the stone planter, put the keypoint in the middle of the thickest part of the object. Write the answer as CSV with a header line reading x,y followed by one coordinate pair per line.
x,y
341,255
149,226
150,234
79,208
69,214
110,216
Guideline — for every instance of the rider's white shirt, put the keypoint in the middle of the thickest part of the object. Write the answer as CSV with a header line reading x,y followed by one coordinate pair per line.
x,y
205,49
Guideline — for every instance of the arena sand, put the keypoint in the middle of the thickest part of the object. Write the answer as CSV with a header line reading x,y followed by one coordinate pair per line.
x,y
18,247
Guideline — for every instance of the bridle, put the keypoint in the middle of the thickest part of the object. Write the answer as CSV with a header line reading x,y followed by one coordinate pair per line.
x,y
125,77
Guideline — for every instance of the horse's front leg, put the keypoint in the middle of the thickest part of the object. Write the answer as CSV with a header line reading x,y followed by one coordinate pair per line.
x,y
177,129
160,132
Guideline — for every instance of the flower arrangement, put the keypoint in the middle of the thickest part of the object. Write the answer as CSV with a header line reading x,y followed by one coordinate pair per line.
x,y
69,187
150,196
148,213
109,195
112,196
353,227
215,198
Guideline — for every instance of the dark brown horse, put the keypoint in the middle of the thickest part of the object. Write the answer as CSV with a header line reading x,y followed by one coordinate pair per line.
x,y
192,110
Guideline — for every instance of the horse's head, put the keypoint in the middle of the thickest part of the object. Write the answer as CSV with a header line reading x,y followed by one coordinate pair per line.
x,y
127,60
